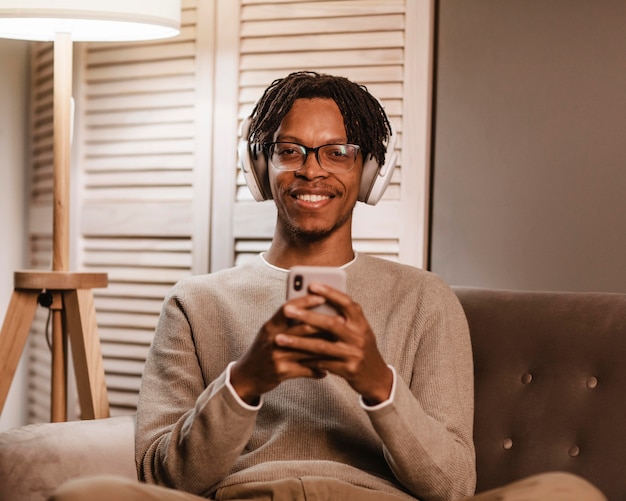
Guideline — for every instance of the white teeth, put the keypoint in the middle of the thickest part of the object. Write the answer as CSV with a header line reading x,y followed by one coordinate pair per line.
x,y
312,198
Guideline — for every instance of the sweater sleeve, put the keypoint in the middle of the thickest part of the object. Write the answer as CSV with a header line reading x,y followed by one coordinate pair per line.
x,y
427,429
188,435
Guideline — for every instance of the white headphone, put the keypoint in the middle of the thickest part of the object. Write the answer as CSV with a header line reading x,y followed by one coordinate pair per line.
x,y
374,180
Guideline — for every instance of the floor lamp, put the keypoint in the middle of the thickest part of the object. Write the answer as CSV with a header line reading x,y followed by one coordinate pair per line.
x,y
69,295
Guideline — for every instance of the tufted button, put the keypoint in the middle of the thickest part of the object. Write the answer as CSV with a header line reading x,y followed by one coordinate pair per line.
x,y
527,378
573,451
592,382
507,444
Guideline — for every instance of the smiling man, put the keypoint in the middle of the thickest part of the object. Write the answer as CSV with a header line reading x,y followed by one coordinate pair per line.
x,y
241,399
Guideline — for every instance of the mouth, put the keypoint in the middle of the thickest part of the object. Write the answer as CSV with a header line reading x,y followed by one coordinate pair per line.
x,y
311,197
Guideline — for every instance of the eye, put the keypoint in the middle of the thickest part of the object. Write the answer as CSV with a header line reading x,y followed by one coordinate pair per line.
x,y
287,150
339,152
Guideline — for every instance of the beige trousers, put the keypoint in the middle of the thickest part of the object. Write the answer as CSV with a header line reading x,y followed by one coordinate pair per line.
x,y
546,486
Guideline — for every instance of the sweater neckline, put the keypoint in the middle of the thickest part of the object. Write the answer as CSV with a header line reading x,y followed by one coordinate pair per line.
x,y
285,270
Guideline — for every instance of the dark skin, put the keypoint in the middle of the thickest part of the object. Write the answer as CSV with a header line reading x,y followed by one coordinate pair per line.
x,y
314,227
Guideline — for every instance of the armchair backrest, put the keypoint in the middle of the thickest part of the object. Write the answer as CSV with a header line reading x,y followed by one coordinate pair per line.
x,y
550,378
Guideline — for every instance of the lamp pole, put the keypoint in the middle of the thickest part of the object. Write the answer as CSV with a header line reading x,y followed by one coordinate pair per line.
x,y
62,127
62,99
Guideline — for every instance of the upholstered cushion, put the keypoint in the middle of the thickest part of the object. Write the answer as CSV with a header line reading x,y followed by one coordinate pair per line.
x,y
550,378
72,449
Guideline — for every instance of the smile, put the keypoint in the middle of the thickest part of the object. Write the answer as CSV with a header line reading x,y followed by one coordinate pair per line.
x,y
312,198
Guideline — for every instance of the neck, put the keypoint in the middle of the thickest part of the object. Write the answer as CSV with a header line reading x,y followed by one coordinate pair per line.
x,y
328,252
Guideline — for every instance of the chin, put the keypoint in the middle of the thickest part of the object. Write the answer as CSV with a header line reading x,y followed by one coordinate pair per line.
x,y
309,234
316,234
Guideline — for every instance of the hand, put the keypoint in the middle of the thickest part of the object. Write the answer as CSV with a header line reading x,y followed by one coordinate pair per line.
x,y
352,355
266,364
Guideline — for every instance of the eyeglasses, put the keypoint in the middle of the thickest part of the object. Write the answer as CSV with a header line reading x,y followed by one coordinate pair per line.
x,y
334,158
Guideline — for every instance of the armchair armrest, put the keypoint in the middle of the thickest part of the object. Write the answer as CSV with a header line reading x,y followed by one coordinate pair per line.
x,y
36,459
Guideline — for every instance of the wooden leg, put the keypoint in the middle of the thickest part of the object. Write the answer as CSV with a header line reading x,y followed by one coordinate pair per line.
x,y
15,329
58,393
83,333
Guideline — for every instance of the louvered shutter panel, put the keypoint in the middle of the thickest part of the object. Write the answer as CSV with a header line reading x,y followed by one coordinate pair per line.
x,y
361,40
139,115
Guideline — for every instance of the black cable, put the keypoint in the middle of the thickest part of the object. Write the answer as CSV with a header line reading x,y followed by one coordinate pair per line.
x,y
45,299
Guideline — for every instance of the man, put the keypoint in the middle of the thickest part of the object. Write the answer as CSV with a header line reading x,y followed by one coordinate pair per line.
x,y
211,428
242,399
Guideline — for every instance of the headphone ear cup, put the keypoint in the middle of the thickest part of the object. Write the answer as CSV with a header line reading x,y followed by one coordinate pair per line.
x,y
253,164
375,179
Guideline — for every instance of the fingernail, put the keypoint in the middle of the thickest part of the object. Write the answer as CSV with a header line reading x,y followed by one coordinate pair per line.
x,y
290,309
281,339
317,287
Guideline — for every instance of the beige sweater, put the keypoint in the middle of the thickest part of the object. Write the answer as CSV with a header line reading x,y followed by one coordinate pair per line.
x,y
194,435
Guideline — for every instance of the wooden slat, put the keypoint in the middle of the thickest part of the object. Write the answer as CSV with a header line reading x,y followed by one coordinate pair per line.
x,y
162,100
256,29
180,260
313,60
142,70
171,161
133,53
103,88
363,74
285,45
139,244
125,351
319,10
145,194
130,367
126,336
138,132
107,180
143,275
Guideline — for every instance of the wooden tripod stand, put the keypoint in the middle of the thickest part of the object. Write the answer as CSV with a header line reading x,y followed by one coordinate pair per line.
x,y
71,302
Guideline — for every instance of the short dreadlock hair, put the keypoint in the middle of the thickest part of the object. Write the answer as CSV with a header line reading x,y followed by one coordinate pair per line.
x,y
364,118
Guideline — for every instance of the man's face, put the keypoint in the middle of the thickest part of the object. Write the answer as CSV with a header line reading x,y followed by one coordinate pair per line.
x,y
312,203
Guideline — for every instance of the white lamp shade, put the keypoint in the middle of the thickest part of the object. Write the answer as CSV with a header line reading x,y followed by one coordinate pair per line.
x,y
90,20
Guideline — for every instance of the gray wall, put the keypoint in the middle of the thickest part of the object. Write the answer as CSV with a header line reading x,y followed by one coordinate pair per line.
x,y
14,68
529,169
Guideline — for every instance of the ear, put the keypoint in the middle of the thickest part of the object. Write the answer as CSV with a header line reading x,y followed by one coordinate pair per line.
x,y
253,164
375,178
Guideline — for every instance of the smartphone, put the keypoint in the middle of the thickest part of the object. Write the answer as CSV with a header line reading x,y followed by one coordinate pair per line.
x,y
300,277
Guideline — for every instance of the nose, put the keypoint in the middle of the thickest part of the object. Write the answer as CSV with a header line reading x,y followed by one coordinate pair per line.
x,y
311,168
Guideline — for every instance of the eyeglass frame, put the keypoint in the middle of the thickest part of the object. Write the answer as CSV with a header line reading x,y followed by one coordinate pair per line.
x,y
307,151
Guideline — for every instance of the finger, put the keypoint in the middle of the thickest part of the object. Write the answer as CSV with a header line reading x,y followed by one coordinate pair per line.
x,y
313,317
343,303
307,301
298,366
317,345
331,294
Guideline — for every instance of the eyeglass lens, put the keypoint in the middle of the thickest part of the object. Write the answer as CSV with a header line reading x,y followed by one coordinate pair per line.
x,y
331,157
